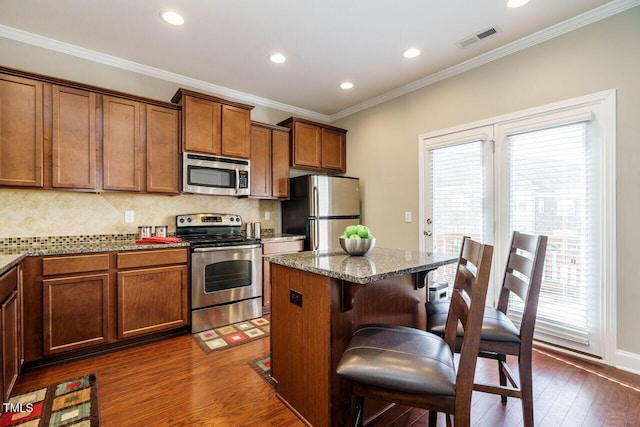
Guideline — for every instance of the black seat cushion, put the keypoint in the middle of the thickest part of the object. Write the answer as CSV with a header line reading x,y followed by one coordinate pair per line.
x,y
399,358
495,327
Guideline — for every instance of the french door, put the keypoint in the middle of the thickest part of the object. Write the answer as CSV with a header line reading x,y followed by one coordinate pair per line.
x,y
544,173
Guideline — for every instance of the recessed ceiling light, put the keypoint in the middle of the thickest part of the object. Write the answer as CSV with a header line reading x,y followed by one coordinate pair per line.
x,y
278,58
516,3
173,18
411,53
346,85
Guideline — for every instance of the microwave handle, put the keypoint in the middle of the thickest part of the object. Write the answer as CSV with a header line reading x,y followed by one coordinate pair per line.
x,y
237,181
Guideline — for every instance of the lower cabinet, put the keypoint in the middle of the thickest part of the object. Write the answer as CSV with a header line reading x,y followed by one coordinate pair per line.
x,y
271,248
75,312
77,304
10,329
151,300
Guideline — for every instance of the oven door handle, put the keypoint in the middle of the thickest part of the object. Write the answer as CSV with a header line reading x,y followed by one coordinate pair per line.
x,y
226,248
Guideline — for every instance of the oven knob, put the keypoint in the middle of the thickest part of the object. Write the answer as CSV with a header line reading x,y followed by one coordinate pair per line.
x,y
188,219
181,220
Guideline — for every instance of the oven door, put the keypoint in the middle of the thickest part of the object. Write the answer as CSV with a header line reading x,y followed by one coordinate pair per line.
x,y
227,274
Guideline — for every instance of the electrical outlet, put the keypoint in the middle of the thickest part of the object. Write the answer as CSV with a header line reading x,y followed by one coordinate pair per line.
x,y
267,216
295,297
129,216
407,217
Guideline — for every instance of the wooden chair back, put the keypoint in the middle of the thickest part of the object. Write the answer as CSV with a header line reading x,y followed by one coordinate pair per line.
x,y
523,278
467,305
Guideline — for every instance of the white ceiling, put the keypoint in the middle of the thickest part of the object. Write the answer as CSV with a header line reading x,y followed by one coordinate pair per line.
x,y
224,45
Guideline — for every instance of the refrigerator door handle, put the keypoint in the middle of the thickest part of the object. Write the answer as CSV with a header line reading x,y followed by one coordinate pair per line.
x,y
315,233
315,202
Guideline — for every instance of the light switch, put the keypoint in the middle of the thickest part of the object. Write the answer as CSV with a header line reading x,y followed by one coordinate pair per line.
x,y
128,216
267,216
407,217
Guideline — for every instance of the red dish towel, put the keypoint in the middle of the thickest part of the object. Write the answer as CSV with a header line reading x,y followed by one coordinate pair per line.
x,y
157,239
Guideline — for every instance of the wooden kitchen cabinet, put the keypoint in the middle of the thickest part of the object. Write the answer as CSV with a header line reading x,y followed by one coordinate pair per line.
x,y
80,304
271,248
151,293
163,150
73,139
121,144
269,161
75,302
317,146
11,339
62,135
21,132
213,125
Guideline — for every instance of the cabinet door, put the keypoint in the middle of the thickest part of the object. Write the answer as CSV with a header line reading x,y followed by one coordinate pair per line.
x,y
270,248
73,149
21,127
75,312
151,300
260,162
201,121
306,147
10,343
163,150
236,125
279,164
121,135
334,150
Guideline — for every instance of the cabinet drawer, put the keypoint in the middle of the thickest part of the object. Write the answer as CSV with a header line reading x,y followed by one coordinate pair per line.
x,y
74,264
8,283
281,247
151,258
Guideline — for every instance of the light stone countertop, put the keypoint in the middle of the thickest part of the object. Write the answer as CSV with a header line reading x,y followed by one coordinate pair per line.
x,y
7,262
11,256
380,263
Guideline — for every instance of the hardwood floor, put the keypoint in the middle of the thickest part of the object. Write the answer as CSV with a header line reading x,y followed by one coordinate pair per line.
x,y
174,383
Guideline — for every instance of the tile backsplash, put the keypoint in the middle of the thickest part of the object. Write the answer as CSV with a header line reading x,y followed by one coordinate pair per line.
x,y
33,213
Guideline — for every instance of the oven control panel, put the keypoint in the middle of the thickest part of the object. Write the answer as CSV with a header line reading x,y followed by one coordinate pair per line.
x,y
208,219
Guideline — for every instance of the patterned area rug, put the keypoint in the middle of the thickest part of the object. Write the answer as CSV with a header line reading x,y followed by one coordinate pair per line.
x,y
232,335
72,403
262,366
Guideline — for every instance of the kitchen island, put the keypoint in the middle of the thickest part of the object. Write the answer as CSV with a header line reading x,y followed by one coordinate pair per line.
x,y
318,300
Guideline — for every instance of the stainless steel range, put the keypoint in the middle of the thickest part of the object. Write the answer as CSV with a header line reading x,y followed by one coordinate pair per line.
x,y
226,270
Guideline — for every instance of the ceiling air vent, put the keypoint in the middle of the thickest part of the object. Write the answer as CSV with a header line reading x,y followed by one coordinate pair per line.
x,y
477,37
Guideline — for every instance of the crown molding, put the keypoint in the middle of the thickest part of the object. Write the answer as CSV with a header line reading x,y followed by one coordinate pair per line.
x,y
579,21
113,61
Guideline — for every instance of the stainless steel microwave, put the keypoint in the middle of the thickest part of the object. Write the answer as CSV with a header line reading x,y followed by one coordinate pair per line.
x,y
206,174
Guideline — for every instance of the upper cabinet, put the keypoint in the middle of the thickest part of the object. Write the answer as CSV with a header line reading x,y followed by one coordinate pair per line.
x,y
317,146
73,138
269,161
213,125
56,134
121,143
21,132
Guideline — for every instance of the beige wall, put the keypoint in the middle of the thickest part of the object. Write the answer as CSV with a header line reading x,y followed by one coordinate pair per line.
x,y
383,148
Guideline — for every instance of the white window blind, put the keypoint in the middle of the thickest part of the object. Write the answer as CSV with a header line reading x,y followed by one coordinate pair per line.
x,y
552,193
457,199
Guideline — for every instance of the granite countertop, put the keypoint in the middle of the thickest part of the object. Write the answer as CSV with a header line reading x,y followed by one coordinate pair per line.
x,y
380,263
277,237
9,261
13,255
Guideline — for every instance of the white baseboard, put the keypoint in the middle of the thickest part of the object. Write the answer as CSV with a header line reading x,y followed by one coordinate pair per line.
x,y
628,361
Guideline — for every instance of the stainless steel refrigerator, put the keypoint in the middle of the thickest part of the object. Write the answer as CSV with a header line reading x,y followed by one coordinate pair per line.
x,y
320,207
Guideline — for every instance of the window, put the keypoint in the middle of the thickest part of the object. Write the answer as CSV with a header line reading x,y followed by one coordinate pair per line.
x,y
551,172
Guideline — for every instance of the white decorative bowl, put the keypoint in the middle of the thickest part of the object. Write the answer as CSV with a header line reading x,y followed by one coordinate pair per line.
x,y
357,246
